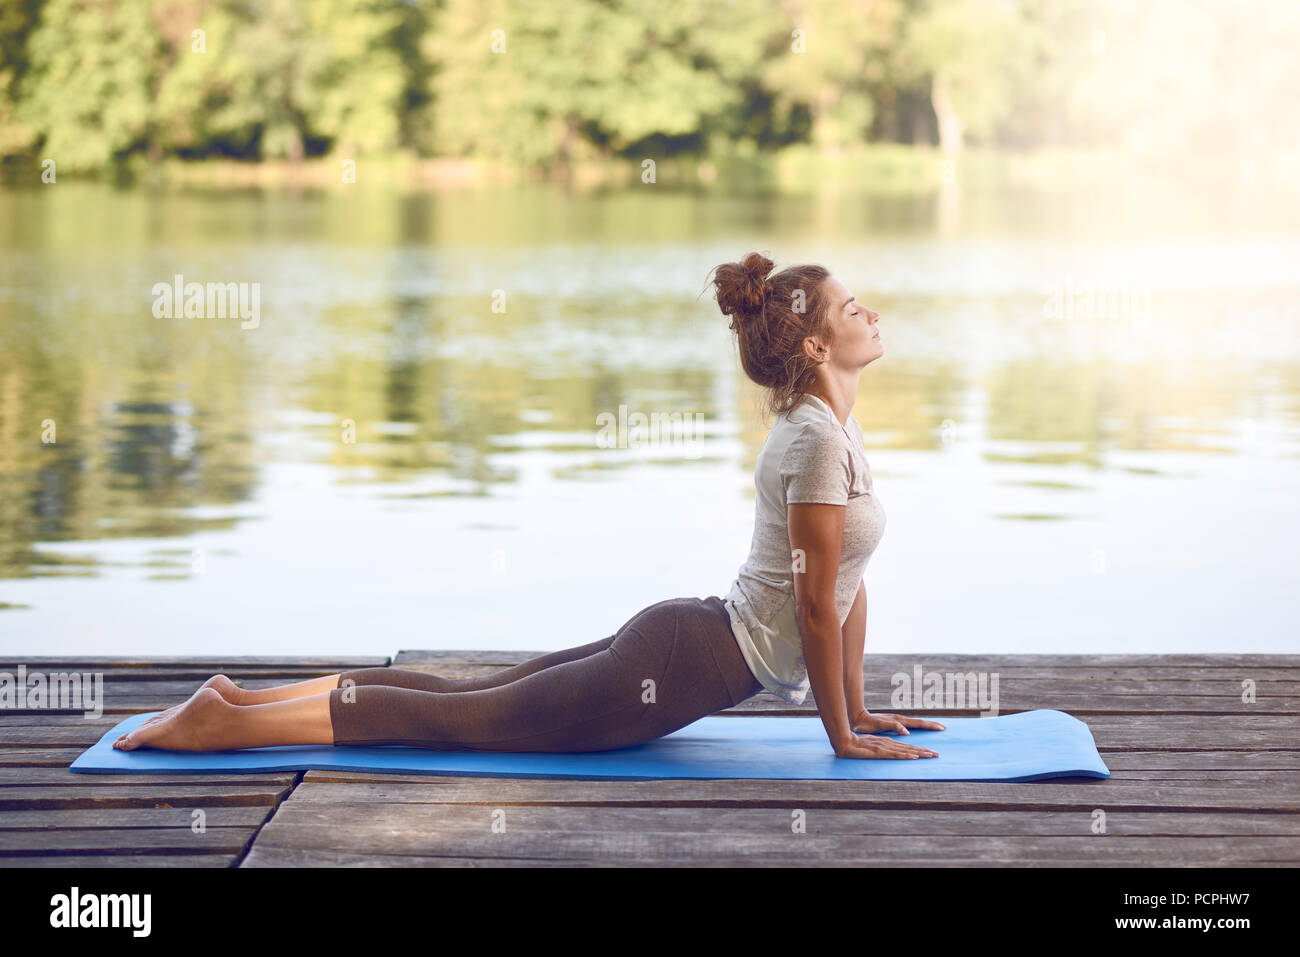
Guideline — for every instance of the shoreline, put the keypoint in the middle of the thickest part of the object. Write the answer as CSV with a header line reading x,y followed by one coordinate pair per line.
x,y
883,168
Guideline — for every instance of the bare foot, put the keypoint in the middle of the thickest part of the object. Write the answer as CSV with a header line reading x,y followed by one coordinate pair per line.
x,y
219,683
226,688
192,726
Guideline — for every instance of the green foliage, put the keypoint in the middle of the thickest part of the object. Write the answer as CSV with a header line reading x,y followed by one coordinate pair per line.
x,y
93,82
87,90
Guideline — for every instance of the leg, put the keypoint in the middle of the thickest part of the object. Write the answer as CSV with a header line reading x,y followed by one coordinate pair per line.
x,y
660,673
208,722
672,664
399,678
422,681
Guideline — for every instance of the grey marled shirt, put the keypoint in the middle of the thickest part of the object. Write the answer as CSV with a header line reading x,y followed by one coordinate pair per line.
x,y
808,457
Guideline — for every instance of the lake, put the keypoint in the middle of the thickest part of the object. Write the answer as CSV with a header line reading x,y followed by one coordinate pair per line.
x,y
1085,428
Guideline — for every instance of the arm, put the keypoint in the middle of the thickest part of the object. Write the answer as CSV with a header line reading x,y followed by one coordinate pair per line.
x,y
855,643
816,536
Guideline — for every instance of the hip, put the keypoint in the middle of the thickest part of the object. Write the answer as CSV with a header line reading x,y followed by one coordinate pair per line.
x,y
698,634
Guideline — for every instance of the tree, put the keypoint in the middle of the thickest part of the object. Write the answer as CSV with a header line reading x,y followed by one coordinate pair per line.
x,y
975,54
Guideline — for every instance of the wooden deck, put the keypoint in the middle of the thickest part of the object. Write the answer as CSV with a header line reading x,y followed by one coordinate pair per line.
x,y
1198,779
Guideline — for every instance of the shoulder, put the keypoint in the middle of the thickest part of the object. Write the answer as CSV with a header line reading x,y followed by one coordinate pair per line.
x,y
813,443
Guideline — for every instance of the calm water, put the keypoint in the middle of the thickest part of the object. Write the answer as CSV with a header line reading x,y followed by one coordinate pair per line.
x,y
387,462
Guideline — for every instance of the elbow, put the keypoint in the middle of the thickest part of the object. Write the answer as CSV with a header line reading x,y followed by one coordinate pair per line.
x,y
814,615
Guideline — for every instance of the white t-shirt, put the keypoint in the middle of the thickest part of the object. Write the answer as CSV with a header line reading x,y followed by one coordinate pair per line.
x,y
808,457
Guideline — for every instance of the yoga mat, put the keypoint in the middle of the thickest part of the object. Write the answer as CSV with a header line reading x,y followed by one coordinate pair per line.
x,y
1028,746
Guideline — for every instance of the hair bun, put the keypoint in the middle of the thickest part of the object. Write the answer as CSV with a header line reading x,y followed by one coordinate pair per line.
x,y
741,288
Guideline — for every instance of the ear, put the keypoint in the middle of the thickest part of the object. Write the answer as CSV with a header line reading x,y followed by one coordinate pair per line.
x,y
814,349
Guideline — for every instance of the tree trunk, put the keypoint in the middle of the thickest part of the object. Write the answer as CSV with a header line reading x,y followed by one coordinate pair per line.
x,y
950,127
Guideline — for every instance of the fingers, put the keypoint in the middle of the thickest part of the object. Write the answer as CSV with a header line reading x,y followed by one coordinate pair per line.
x,y
884,747
914,722
923,723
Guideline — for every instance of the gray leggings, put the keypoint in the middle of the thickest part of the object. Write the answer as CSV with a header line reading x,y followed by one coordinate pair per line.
x,y
670,665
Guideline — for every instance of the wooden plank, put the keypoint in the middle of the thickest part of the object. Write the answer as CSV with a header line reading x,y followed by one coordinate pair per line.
x,y
39,757
408,657
883,671
875,687
279,674
323,786
1157,724
38,719
1201,760
689,821
1242,776
1160,732
150,689
166,793
1199,779
17,779
842,848
292,857
1078,705
153,840
122,860
128,817
1134,683
57,736
56,662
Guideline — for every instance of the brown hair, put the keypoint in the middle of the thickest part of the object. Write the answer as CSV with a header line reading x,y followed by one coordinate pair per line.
x,y
771,318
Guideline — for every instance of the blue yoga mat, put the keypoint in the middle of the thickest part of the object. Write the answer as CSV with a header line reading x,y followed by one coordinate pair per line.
x,y
1027,746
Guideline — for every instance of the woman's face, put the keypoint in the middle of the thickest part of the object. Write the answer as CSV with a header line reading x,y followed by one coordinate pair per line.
x,y
856,338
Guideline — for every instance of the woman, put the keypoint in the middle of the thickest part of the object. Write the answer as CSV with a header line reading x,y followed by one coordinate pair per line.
x,y
795,617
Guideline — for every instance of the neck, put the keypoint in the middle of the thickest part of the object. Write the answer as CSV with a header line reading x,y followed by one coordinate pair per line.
x,y
839,392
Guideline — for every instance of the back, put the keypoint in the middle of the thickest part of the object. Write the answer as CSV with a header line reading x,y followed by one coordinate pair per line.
x,y
808,457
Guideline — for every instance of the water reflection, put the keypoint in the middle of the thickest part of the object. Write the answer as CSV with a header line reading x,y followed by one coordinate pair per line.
x,y
420,353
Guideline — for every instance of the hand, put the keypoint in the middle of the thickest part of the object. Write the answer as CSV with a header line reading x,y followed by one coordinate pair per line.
x,y
869,747
867,723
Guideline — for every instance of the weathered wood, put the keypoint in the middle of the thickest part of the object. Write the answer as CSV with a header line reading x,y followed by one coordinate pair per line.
x,y
295,857
19,778
874,686
39,757
64,663
121,860
776,820
841,848
124,817
328,786
68,735
153,840
1079,705
1199,779
164,793
1202,760
904,662
45,719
